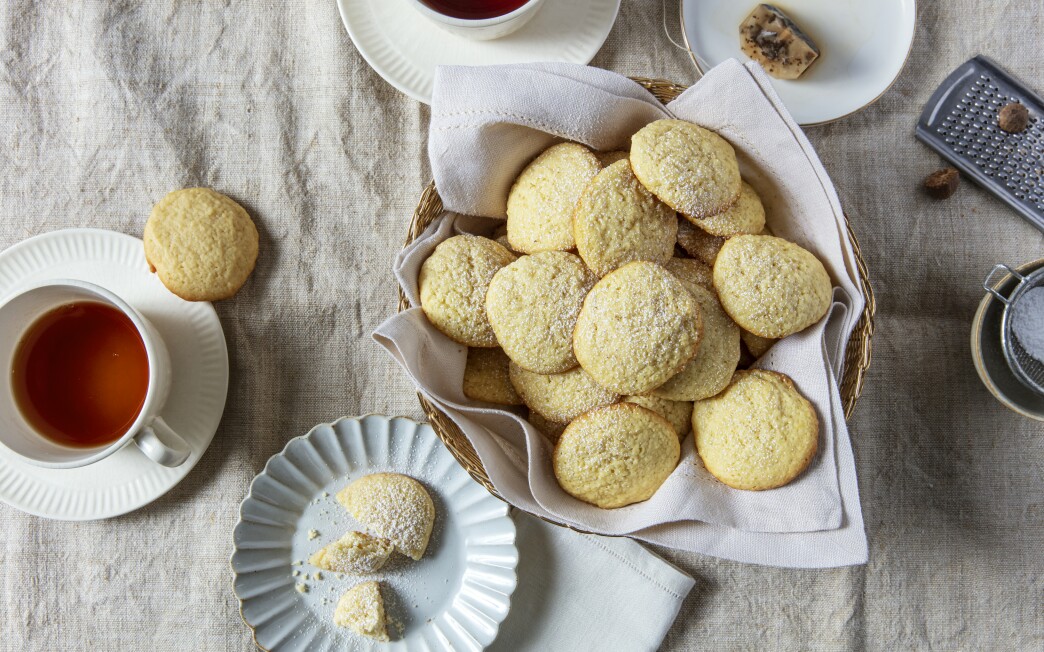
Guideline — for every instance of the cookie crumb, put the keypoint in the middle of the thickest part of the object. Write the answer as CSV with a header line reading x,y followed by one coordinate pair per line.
x,y
942,183
301,588
317,576
1013,118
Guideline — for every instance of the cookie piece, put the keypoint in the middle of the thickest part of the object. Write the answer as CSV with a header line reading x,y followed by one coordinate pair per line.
x,y
618,221
747,215
756,344
486,377
550,429
453,283
691,169
356,553
638,327
616,455
760,433
769,286
201,244
691,272
532,305
698,243
608,158
560,397
712,368
677,413
541,202
361,610
393,506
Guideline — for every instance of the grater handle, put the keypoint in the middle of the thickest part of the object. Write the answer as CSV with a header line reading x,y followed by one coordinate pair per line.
x,y
988,286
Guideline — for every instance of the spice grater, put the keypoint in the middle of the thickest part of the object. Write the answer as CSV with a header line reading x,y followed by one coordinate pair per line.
x,y
1026,368
960,123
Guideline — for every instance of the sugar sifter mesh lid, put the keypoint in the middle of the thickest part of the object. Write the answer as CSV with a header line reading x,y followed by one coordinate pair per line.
x,y
1022,325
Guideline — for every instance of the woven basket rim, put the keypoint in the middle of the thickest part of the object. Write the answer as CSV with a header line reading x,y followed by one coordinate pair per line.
x,y
858,352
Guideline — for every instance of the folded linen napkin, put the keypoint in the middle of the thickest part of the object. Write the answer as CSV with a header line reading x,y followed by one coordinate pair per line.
x,y
487,123
585,592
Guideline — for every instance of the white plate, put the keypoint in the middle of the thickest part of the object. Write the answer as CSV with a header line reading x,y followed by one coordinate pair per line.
x,y
454,598
404,47
863,45
126,480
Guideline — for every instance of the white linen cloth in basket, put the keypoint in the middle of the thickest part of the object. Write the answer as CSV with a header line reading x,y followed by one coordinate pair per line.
x,y
487,124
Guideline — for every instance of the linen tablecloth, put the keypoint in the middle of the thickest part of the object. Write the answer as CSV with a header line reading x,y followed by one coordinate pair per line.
x,y
107,106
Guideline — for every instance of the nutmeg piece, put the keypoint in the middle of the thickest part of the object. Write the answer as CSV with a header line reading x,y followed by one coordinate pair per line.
x,y
942,183
1013,118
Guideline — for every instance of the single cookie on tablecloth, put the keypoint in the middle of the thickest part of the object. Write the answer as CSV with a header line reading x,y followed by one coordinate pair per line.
x,y
361,609
560,397
550,429
746,216
691,272
769,286
201,244
616,455
617,221
677,413
541,202
392,506
760,433
638,327
356,553
453,283
532,305
712,368
486,377
698,243
691,169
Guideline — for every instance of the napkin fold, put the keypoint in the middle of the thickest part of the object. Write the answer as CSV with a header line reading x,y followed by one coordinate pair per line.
x,y
585,592
487,124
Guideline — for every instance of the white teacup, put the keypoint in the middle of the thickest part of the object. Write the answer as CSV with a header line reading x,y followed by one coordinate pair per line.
x,y
481,29
152,435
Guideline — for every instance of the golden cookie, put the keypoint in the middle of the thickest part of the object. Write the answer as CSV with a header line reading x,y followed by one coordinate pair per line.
x,y
691,272
551,429
760,433
618,221
356,553
616,455
608,158
747,215
541,202
756,344
560,397
691,169
361,610
486,377
638,327
532,305
201,244
453,283
769,286
393,506
677,413
698,243
712,368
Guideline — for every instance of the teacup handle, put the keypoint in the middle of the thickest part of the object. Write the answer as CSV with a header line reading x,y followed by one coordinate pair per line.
x,y
161,444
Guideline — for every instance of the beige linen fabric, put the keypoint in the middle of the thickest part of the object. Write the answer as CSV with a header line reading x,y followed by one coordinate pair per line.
x,y
107,106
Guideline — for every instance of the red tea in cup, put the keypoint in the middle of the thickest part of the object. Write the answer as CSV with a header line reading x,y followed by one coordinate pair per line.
x,y
474,9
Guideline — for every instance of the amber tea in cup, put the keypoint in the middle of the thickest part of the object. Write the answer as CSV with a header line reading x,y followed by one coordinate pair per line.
x,y
80,374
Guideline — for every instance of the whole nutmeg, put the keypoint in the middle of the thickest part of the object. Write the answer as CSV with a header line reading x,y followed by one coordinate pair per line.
x,y
1013,118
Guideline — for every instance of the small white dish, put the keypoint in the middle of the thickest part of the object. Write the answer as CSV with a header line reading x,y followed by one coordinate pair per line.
x,y
404,46
864,46
481,29
126,479
454,598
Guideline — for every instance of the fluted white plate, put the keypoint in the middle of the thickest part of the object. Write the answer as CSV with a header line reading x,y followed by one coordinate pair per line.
x,y
125,480
404,47
454,598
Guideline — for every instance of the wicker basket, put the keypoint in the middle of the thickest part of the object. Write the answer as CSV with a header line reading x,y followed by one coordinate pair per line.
x,y
857,355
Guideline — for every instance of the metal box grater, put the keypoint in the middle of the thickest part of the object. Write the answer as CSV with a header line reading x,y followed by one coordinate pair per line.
x,y
960,123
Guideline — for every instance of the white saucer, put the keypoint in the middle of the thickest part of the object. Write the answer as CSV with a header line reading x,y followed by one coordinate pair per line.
x,y
404,47
126,480
863,45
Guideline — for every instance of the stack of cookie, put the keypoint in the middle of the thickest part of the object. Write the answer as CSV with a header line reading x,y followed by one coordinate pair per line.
x,y
616,303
